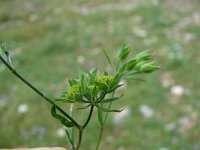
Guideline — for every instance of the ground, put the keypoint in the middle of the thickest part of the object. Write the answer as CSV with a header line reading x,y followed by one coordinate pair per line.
x,y
48,40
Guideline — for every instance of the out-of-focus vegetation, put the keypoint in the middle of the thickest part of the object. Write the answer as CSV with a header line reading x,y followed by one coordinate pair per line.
x,y
49,40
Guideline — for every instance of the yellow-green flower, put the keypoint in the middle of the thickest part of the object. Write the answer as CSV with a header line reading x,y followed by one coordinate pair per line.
x,y
74,90
104,79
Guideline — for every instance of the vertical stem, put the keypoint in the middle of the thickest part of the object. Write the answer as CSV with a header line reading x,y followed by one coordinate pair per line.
x,y
79,139
72,129
102,128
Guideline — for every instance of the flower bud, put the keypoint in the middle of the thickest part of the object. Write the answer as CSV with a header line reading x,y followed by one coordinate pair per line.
x,y
143,56
131,64
104,79
148,67
139,65
123,53
73,92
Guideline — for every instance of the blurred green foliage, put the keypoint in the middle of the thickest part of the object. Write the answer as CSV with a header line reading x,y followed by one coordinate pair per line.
x,y
49,40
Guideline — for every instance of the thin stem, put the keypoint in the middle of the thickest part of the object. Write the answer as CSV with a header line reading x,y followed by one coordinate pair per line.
x,y
36,90
70,140
79,139
102,127
72,129
89,117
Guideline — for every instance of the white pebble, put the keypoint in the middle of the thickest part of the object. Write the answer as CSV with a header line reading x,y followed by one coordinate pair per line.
x,y
177,90
80,59
23,108
146,111
60,132
170,126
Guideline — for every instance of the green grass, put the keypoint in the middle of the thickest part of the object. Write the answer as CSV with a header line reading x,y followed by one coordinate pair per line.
x,y
47,37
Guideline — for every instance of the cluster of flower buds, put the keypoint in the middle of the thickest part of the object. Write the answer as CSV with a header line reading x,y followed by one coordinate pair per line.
x,y
92,88
141,63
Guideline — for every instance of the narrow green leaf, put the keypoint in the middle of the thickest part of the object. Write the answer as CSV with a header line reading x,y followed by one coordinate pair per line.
x,y
111,99
100,117
114,88
92,77
115,81
122,69
62,119
105,73
84,107
101,86
84,83
63,100
108,58
68,124
134,78
94,72
107,110
78,97
72,82
8,58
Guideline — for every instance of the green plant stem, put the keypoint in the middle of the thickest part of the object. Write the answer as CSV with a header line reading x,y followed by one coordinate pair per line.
x,y
36,90
102,127
79,139
89,116
72,129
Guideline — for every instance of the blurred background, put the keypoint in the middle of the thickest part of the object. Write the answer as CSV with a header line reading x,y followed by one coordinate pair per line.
x,y
49,39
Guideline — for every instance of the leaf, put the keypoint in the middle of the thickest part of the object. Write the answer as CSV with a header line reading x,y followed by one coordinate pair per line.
x,y
105,73
100,118
62,119
6,56
84,107
134,78
95,91
92,77
122,69
115,81
108,58
64,100
54,114
111,99
68,124
114,88
101,86
107,110
72,82
94,72
84,83
78,97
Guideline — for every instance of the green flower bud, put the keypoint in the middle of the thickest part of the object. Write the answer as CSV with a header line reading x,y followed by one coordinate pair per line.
x,y
149,67
73,92
139,65
104,79
143,56
123,53
131,64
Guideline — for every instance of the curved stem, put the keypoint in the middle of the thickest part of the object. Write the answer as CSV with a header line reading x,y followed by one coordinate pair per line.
x,y
36,90
89,117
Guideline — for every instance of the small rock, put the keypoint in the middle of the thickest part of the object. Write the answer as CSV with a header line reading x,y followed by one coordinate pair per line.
x,y
146,111
177,90
23,108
